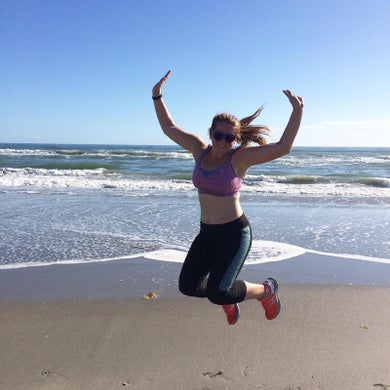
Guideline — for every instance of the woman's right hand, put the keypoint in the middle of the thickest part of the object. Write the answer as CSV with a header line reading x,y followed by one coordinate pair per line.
x,y
157,88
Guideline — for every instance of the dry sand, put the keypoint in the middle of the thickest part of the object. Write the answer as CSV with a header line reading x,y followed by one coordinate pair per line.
x,y
88,327
325,338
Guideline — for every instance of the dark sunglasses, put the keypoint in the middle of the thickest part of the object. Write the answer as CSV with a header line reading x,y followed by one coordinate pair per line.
x,y
218,135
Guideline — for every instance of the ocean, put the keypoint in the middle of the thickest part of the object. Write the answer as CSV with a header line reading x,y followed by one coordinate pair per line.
x,y
83,203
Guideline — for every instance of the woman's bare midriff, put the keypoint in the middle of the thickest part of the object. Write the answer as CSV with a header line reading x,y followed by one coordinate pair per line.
x,y
216,210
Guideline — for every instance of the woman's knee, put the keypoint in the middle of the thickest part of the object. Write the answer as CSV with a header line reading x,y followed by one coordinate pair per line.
x,y
218,297
187,287
225,297
184,286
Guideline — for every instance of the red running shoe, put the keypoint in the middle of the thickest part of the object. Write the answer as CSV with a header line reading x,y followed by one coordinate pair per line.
x,y
271,302
232,313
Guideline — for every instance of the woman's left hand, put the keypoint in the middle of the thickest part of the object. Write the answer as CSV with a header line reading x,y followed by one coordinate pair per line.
x,y
295,100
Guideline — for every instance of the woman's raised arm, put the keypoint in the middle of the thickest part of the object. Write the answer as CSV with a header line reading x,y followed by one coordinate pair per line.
x,y
260,154
186,140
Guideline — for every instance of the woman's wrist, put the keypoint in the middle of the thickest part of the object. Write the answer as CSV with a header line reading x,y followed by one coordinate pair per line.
x,y
298,108
157,97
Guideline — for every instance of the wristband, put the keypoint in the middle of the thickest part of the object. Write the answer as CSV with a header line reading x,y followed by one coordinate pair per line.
x,y
157,97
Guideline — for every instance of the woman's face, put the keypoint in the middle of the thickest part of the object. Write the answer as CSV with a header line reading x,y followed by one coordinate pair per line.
x,y
223,136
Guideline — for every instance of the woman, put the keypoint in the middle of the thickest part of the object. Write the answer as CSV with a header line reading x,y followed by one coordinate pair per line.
x,y
218,252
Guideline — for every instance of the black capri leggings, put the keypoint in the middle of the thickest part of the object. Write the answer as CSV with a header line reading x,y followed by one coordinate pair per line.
x,y
214,261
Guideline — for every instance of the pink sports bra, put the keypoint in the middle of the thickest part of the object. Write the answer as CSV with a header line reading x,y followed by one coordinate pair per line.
x,y
221,181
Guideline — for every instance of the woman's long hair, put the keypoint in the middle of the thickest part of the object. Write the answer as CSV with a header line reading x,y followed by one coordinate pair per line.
x,y
245,132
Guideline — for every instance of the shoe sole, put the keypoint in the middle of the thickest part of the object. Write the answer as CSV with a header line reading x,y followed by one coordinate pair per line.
x,y
237,314
276,296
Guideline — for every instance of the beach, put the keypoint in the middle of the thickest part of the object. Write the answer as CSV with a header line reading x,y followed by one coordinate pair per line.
x,y
88,326
87,232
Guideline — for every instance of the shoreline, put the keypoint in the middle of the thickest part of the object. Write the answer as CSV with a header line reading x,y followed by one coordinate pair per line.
x,y
135,277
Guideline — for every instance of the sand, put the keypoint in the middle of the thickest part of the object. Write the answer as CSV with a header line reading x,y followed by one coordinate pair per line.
x,y
328,336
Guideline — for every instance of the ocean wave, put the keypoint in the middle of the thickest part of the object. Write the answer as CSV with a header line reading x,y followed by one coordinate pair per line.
x,y
342,172
103,153
102,178
88,166
39,178
335,183
300,179
380,182
49,173
375,182
9,152
326,160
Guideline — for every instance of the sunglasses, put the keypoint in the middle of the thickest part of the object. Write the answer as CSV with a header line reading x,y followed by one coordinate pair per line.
x,y
218,135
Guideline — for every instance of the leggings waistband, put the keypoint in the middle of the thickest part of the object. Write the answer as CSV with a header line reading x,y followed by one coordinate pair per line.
x,y
239,223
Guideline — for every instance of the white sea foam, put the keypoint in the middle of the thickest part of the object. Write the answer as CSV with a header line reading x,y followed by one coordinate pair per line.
x,y
10,152
262,252
39,178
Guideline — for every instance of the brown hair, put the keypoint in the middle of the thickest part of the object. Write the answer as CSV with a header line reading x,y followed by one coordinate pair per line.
x,y
245,132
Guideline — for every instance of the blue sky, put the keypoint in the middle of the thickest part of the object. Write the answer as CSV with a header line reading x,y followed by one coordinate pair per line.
x,y
82,71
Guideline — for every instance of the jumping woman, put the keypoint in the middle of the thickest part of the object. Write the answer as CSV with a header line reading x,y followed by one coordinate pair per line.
x,y
218,252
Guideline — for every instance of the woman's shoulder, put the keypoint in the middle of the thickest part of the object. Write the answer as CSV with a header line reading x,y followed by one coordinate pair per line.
x,y
201,151
238,160
238,152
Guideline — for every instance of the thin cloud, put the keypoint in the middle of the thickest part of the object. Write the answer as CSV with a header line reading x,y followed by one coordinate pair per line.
x,y
376,123
382,123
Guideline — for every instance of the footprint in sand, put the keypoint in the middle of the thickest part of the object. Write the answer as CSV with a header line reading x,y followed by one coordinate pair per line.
x,y
212,374
55,378
49,374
